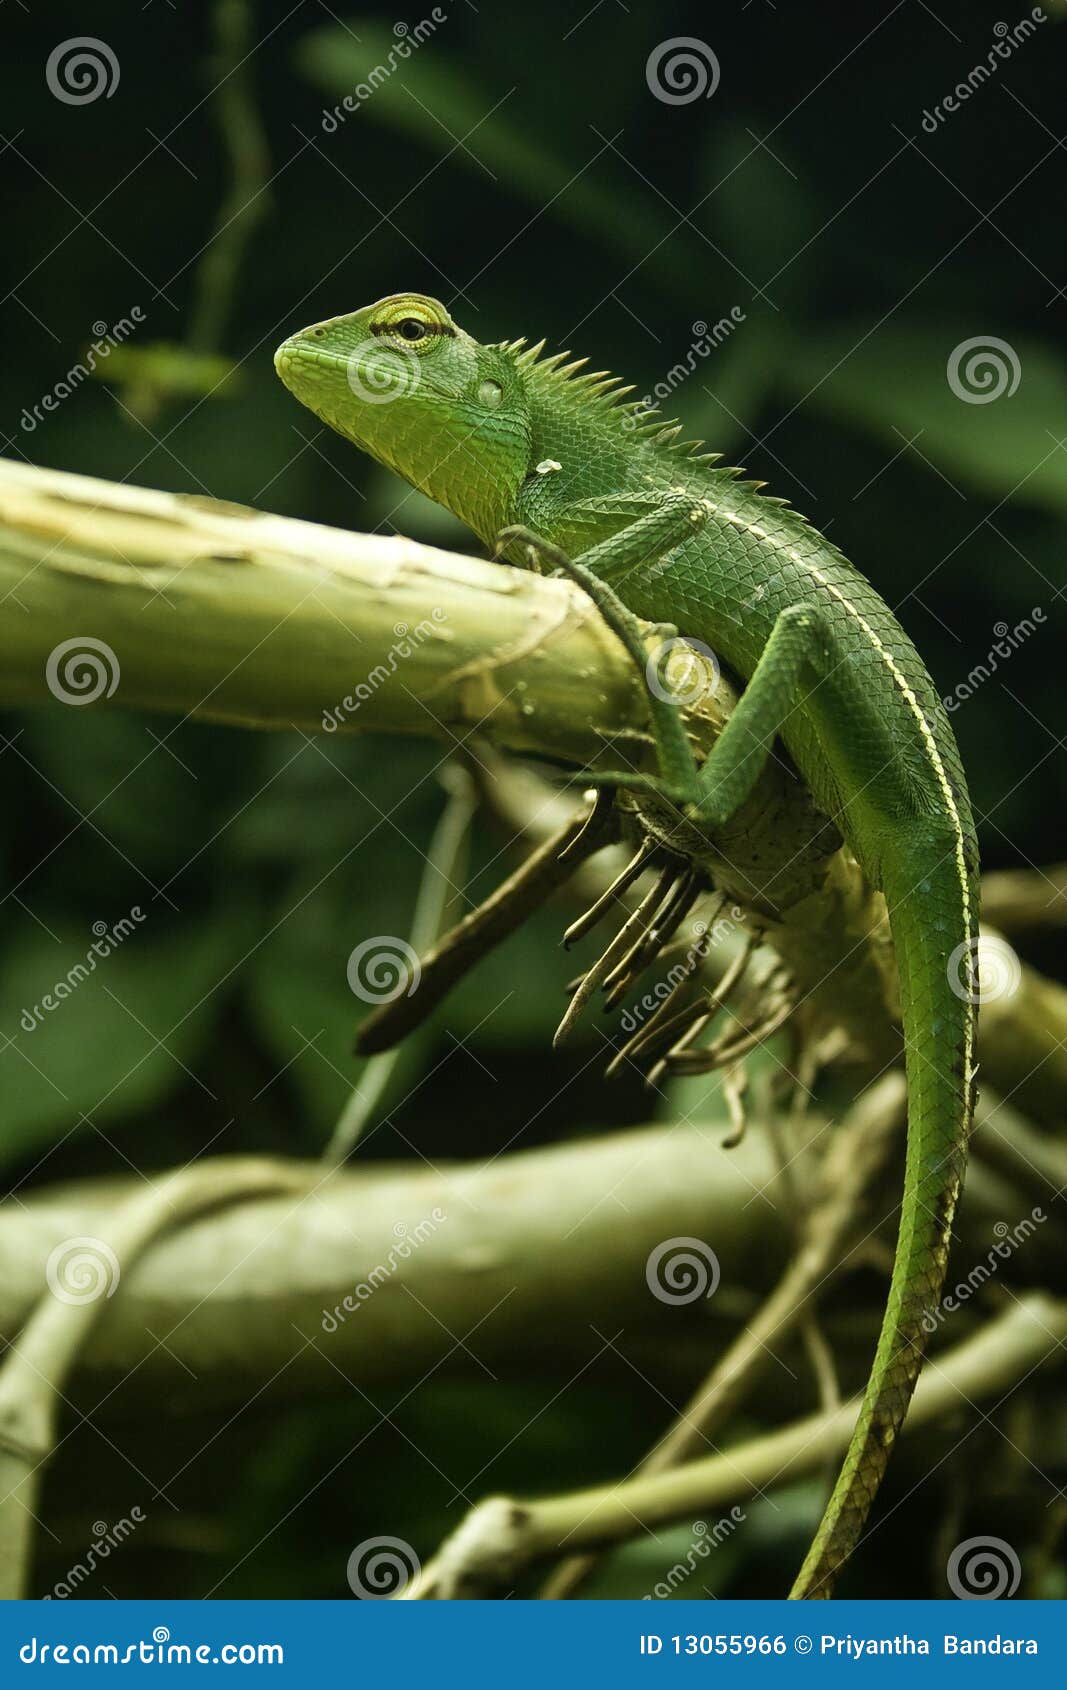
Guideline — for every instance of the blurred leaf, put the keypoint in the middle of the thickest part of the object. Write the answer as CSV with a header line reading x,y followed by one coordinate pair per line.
x,y
122,1035
111,769
896,382
773,250
430,98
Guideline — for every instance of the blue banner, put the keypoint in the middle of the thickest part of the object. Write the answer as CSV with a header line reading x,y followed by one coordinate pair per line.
x,y
519,1644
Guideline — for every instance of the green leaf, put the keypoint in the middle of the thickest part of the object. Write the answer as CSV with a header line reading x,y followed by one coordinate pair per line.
x,y
905,382
430,97
106,1034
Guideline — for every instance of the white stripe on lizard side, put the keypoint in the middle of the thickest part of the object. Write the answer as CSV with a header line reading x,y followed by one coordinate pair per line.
x,y
929,740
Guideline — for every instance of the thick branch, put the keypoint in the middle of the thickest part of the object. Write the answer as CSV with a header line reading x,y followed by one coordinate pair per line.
x,y
530,1249
215,610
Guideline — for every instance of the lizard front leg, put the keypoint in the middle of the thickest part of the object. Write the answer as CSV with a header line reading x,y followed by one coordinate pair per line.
x,y
668,524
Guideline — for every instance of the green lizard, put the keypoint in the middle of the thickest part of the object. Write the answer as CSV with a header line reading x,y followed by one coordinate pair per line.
x,y
546,463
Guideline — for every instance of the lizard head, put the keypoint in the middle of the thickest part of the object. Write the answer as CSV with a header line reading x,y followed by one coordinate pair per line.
x,y
405,384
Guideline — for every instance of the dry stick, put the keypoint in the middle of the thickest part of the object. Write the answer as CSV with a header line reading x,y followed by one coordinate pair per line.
x,y
676,906
36,1366
502,1536
664,1021
713,1005
1024,900
855,1156
633,930
1033,1162
447,849
622,883
549,867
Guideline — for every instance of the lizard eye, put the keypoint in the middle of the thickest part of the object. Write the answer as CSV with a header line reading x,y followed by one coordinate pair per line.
x,y
413,320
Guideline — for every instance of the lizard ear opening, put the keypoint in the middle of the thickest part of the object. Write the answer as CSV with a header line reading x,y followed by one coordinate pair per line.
x,y
413,321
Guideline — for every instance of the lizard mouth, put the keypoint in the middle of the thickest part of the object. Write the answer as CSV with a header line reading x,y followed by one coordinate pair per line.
x,y
296,360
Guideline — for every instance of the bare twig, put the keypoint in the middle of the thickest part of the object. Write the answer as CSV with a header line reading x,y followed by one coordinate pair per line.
x,y
502,1536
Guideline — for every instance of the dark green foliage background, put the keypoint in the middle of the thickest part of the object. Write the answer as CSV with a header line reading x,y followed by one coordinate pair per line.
x,y
518,167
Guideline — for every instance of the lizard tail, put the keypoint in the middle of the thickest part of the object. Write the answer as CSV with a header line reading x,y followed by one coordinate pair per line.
x,y
934,922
